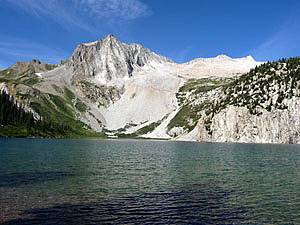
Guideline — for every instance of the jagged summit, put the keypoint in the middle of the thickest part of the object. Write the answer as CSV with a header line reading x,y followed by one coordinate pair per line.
x,y
107,39
109,59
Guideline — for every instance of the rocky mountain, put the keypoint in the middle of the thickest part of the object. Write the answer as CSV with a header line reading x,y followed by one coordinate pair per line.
x,y
109,61
127,90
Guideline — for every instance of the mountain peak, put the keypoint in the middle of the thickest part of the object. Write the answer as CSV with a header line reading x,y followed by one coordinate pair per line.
x,y
223,56
250,58
109,59
109,37
111,42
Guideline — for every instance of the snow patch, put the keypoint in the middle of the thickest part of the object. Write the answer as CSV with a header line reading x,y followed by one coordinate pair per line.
x,y
39,74
162,129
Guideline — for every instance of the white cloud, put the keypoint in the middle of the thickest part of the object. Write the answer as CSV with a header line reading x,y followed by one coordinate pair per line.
x,y
85,14
116,9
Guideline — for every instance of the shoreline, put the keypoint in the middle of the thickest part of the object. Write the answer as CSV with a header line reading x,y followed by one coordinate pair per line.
x,y
147,139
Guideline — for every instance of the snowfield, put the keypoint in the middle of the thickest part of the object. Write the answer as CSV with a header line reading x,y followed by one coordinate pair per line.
x,y
220,66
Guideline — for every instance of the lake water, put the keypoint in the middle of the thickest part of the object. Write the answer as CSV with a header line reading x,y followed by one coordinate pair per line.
x,y
147,182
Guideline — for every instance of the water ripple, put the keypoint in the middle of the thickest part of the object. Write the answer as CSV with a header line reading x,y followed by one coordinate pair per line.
x,y
202,204
28,178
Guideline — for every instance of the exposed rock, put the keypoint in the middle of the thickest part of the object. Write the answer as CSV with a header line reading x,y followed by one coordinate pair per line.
x,y
237,124
261,106
30,68
101,95
109,60
4,87
176,131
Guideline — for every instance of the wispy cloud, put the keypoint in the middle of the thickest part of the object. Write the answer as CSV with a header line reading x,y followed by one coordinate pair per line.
x,y
115,9
14,49
85,14
95,16
283,43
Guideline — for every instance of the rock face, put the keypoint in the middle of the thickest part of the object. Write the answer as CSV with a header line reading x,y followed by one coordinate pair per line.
x,y
109,61
236,124
101,70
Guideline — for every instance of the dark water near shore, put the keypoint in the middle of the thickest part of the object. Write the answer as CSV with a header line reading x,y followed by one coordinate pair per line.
x,y
147,182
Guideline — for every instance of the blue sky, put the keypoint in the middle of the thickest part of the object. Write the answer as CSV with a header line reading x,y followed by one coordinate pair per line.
x,y
181,30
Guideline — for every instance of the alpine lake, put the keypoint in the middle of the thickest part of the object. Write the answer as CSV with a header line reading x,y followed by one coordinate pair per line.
x,y
90,181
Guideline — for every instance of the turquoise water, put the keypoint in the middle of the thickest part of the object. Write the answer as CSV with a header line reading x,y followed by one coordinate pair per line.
x,y
147,182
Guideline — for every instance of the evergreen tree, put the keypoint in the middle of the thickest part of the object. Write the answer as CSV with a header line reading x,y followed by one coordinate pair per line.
x,y
14,114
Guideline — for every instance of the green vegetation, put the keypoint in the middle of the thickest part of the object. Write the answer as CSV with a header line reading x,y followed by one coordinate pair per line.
x,y
187,117
144,130
15,120
193,97
57,89
25,78
57,109
80,106
264,87
267,86
56,112
50,66
72,100
11,113
69,95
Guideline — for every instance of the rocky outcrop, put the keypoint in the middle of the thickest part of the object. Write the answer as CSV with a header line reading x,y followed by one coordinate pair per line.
x,y
30,68
101,95
237,124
